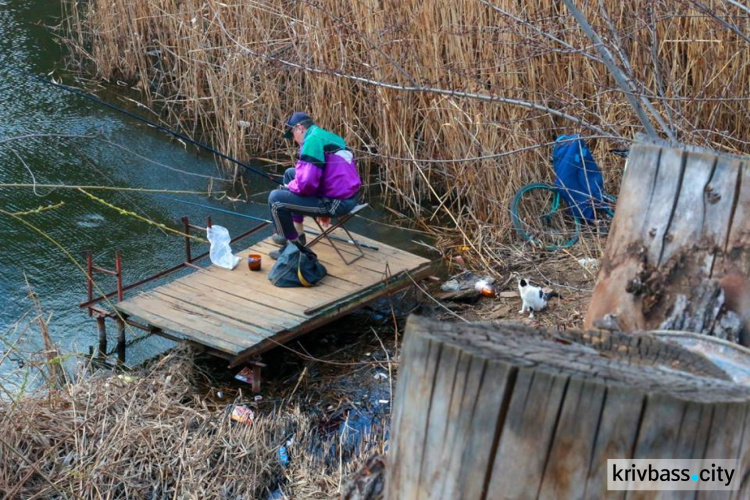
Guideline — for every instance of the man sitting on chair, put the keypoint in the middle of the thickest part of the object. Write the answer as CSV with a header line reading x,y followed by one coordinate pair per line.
x,y
323,183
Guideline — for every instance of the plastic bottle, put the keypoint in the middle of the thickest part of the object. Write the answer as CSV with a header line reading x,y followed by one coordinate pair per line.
x,y
485,289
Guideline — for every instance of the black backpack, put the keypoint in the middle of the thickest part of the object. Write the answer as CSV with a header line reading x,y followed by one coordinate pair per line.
x,y
297,266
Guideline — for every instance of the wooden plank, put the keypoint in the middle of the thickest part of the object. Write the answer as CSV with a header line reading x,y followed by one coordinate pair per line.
x,y
694,429
726,428
720,202
660,426
573,444
383,254
487,420
741,217
615,438
662,200
452,430
412,386
258,299
214,278
363,270
346,305
223,326
521,455
218,305
641,170
687,220
629,224
332,280
743,457
437,448
238,310
452,486
364,292
196,320
154,318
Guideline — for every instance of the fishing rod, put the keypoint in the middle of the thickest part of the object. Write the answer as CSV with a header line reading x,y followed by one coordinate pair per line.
x,y
230,212
179,135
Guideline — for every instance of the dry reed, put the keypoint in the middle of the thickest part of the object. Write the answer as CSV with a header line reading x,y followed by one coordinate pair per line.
x,y
455,103
150,434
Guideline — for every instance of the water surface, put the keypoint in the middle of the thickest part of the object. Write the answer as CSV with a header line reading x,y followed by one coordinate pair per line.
x,y
50,136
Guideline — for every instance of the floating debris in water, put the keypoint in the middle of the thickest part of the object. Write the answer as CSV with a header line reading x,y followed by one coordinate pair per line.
x,y
90,221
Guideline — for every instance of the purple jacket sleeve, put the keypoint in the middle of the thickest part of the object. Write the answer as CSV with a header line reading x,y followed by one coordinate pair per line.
x,y
306,179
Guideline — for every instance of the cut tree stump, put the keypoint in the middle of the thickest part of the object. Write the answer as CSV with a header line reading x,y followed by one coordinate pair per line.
x,y
678,253
506,411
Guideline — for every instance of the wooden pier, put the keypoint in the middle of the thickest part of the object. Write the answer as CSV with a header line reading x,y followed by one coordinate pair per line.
x,y
239,314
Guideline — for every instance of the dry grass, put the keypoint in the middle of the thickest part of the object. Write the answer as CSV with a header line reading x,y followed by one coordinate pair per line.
x,y
455,103
150,434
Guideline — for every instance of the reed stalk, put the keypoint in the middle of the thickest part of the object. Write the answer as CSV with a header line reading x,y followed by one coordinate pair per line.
x,y
450,104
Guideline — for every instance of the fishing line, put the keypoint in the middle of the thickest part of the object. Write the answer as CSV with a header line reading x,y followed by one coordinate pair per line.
x,y
179,135
208,207
315,233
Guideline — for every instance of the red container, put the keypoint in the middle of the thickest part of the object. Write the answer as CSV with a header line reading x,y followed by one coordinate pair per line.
x,y
253,261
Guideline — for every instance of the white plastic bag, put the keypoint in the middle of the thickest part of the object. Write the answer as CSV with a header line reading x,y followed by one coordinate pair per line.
x,y
221,253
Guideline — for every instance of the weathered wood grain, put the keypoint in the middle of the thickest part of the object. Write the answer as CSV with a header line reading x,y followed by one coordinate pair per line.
x,y
240,313
681,220
486,411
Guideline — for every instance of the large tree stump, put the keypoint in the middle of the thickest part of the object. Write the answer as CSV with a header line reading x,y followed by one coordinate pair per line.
x,y
489,411
678,254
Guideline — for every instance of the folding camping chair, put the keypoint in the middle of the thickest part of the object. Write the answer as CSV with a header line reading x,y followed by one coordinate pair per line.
x,y
340,222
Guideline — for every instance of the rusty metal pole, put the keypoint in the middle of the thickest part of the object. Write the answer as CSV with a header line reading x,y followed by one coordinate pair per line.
x,y
118,274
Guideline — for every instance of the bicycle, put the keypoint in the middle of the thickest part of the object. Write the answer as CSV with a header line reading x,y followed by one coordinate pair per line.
x,y
541,216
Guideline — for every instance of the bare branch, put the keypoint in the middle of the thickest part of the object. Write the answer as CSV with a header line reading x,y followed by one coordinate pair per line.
x,y
414,88
709,12
633,84
619,77
433,90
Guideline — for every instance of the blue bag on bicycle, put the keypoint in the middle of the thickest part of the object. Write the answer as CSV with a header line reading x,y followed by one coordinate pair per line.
x,y
578,176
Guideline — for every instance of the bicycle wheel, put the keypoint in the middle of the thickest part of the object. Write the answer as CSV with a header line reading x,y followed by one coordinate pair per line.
x,y
540,216
611,202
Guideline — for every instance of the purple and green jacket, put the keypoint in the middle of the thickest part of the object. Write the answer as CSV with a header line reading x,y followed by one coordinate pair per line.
x,y
326,168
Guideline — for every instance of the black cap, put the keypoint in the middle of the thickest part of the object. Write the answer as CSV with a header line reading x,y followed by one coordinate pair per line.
x,y
293,120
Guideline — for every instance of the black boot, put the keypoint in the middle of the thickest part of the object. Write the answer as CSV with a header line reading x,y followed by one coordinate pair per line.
x,y
274,254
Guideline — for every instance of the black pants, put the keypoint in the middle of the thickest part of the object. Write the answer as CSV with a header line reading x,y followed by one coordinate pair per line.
x,y
287,207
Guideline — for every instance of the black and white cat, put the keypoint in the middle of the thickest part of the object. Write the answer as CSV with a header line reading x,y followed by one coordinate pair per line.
x,y
533,298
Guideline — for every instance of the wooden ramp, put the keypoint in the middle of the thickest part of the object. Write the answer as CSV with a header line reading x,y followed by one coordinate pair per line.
x,y
239,314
